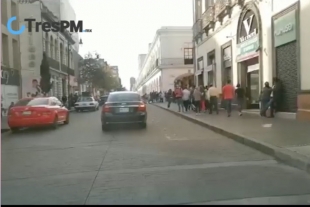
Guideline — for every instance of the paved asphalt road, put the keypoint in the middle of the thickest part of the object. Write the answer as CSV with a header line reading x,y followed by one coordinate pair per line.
x,y
171,162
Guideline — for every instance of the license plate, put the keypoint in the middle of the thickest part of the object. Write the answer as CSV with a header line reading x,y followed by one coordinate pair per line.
x,y
124,110
26,112
84,104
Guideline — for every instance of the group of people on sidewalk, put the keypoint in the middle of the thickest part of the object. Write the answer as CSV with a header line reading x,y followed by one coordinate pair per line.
x,y
207,98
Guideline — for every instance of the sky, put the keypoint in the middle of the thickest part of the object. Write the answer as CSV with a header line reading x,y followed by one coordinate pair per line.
x,y
122,29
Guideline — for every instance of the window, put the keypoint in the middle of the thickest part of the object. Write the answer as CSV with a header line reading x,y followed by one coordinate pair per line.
x,y
5,50
85,99
200,64
120,97
4,12
32,102
16,58
188,56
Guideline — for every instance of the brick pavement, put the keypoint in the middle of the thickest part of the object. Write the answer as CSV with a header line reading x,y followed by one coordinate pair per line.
x,y
286,134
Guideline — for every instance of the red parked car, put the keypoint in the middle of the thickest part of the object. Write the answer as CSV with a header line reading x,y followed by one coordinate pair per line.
x,y
38,111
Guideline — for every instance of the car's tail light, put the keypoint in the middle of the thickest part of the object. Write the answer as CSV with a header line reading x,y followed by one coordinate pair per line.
x,y
106,108
142,107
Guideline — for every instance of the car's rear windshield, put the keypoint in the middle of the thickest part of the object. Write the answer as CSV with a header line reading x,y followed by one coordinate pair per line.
x,y
120,97
32,102
85,99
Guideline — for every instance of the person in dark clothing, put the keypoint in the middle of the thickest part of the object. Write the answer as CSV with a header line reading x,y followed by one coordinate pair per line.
x,y
64,99
240,94
169,97
265,97
276,97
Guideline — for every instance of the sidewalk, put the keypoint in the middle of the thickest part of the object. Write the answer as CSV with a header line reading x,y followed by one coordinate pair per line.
x,y
4,123
286,140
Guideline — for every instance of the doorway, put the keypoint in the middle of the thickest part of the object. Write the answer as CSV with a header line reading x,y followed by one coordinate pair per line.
x,y
250,79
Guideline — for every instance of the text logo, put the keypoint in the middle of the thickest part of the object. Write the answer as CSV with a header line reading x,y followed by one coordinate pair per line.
x,y
247,24
60,26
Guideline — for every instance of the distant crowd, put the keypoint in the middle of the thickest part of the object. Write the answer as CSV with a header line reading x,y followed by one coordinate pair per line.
x,y
206,99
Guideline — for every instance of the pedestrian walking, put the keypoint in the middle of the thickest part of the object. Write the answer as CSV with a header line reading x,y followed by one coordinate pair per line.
x,y
185,98
178,97
276,97
213,96
240,94
265,99
228,95
169,97
197,99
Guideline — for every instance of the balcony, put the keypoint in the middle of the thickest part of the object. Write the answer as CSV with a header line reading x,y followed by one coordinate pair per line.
x,y
223,8
175,62
53,63
65,69
197,28
208,20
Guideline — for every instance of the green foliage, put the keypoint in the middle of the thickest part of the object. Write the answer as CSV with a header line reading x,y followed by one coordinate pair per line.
x,y
93,73
45,82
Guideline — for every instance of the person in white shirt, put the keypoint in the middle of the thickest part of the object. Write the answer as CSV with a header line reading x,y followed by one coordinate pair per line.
x,y
185,98
213,95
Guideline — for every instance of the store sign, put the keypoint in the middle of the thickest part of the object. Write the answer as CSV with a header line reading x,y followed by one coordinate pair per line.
x,y
247,49
285,29
250,32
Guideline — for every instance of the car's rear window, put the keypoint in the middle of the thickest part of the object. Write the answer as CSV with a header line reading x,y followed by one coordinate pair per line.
x,y
32,102
120,97
85,99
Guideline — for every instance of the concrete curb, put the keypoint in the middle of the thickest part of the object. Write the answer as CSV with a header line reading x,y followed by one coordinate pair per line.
x,y
280,154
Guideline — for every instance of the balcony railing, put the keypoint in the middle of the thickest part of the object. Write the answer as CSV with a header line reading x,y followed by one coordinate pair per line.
x,y
197,28
223,8
174,61
208,18
53,63
65,69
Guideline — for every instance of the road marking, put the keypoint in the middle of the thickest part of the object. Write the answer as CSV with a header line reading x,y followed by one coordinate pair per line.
x,y
267,125
175,139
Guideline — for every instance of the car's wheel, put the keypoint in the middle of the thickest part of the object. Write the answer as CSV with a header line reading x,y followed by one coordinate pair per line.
x,y
143,125
55,123
14,129
104,127
77,110
67,119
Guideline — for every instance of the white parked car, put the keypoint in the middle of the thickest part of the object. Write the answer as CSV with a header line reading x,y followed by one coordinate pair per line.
x,y
86,103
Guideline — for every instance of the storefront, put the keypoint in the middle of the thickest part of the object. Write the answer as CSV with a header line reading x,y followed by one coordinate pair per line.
x,y
286,57
10,82
248,55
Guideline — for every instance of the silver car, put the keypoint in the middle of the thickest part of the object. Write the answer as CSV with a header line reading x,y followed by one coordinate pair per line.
x,y
86,103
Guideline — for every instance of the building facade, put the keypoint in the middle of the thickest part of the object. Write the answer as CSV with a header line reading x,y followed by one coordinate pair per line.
x,y
250,42
56,46
10,57
132,83
169,61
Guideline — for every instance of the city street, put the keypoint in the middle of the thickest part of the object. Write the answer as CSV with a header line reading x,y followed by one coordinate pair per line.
x,y
173,161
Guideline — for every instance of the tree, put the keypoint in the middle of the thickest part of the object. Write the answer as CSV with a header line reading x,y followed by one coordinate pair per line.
x,y
93,74
45,82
